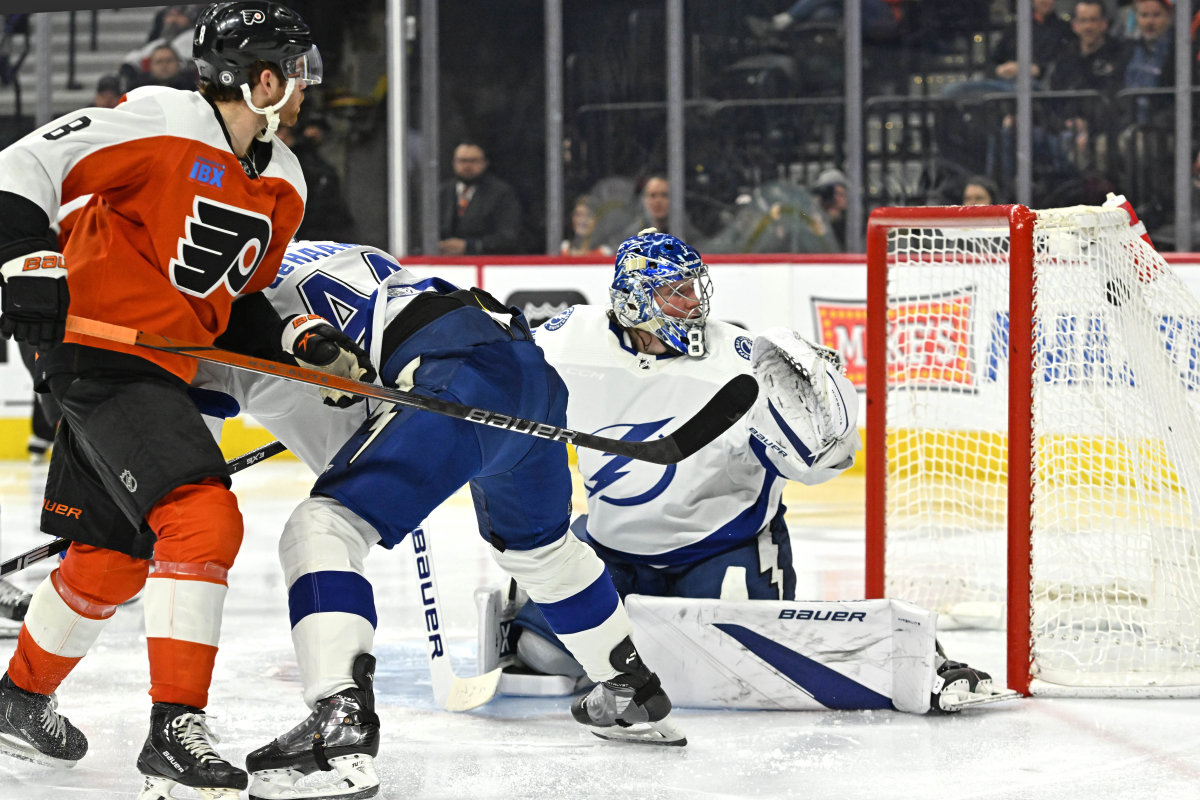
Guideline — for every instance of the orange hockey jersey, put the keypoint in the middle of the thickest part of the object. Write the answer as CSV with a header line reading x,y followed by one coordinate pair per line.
x,y
176,228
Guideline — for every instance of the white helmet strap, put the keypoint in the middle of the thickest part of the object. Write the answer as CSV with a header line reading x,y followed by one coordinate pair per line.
x,y
270,112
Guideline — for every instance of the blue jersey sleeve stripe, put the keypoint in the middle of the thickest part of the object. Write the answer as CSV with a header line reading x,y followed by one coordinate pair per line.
x,y
323,592
583,610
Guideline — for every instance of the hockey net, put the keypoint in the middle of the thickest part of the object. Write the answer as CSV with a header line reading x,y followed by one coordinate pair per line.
x,y
1033,456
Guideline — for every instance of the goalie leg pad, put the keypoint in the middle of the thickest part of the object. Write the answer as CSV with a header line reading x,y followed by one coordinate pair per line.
x,y
535,664
785,655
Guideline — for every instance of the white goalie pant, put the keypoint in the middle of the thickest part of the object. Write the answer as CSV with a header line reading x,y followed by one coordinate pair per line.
x,y
322,536
786,655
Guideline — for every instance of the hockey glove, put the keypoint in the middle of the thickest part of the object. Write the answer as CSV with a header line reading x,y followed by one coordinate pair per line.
x,y
318,345
35,299
794,374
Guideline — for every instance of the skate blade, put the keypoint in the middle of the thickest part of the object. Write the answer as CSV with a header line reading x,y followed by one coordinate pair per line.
x,y
355,779
155,788
952,704
19,749
664,732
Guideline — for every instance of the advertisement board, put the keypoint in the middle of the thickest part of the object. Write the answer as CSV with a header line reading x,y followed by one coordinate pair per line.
x,y
822,297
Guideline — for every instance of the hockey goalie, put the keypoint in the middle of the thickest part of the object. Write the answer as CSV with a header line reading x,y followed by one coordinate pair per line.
x,y
677,539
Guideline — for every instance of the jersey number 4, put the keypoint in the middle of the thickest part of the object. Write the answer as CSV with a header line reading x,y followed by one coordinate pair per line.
x,y
222,244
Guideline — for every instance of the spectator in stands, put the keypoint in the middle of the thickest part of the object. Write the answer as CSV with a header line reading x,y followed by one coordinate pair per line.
x,y
583,226
166,69
980,190
174,29
479,213
1050,34
327,214
1147,123
1063,133
1091,59
830,191
880,18
108,92
656,210
656,203
1150,58
171,21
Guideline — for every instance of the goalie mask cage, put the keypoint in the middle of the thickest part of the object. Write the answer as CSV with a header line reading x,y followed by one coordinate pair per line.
x,y
1033,441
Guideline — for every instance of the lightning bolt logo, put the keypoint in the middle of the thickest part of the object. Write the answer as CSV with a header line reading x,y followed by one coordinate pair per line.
x,y
380,422
614,468
768,560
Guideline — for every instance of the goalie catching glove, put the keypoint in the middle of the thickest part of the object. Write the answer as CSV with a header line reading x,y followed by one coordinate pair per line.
x,y
810,400
35,298
318,345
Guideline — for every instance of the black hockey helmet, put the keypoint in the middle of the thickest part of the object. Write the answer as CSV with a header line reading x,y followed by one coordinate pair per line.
x,y
230,37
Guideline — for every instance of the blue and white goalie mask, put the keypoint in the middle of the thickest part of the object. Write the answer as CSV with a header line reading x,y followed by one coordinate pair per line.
x,y
662,286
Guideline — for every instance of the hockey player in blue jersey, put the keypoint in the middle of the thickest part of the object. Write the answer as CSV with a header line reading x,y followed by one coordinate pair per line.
x,y
396,466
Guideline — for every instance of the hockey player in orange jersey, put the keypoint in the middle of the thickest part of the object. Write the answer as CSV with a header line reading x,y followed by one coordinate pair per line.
x,y
193,202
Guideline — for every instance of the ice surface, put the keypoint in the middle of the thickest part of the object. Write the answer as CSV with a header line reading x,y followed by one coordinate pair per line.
x,y
530,748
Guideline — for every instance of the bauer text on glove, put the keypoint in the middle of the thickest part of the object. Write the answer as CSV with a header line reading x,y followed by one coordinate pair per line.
x,y
35,298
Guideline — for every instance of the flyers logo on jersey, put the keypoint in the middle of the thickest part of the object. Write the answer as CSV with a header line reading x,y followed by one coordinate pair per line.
x,y
253,17
221,245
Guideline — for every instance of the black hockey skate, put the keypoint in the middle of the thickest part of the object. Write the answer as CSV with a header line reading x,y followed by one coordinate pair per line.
x,y
630,707
341,736
32,730
958,686
179,750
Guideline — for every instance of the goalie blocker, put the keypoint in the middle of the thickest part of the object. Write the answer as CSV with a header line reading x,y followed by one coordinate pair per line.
x,y
772,655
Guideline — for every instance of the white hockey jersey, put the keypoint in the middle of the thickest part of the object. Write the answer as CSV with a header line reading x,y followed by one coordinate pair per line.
x,y
677,514
336,281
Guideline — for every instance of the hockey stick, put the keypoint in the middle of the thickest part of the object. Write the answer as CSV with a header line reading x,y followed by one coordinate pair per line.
x,y
17,563
449,691
724,408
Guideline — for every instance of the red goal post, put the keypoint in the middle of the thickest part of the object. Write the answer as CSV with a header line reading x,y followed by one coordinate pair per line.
x,y
1033,439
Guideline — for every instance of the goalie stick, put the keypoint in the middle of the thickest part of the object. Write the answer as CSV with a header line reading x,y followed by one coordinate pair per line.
x,y
17,563
724,408
449,690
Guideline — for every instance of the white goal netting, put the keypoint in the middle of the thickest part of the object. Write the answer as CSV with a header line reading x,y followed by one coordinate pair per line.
x,y
1114,538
